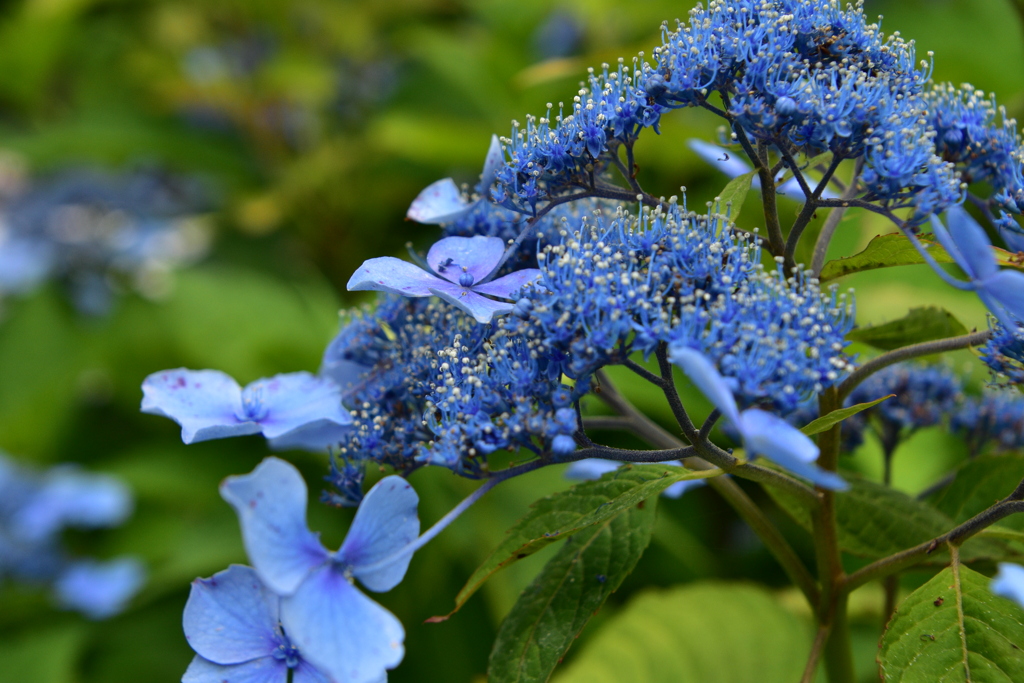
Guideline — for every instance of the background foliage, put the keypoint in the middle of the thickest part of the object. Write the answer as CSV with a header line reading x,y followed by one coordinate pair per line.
x,y
313,123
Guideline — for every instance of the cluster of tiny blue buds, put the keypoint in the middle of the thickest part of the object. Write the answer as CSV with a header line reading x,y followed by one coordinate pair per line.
x,y
1004,354
993,421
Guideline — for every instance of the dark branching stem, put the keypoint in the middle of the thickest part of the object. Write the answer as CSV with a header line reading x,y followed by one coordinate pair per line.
x,y
730,491
705,429
776,244
810,206
1012,504
906,353
835,216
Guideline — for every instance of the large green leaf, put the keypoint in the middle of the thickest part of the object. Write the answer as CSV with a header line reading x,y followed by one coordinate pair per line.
x,y
883,251
979,484
822,423
564,513
920,325
875,521
954,629
734,192
573,585
709,632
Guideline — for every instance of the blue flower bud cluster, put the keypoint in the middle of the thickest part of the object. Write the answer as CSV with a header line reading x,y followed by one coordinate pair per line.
x,y
35,507
98,234
1004,354
993,421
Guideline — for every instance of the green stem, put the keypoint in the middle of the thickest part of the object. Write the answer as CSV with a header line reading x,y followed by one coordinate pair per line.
x,y
838,653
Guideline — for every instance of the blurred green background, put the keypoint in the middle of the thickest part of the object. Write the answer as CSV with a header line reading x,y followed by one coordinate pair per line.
x,y
313,124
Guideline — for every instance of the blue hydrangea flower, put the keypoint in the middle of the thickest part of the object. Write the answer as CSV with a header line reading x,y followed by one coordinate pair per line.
x,y
339,630
460,266
1002,291
442,201
209,404
99,590
993,420
1009,582
233,622
594,468
1004,354
762,433
66,496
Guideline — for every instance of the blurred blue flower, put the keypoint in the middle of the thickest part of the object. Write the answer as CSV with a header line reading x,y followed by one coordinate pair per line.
x,y
594,468
336,628
1009,582
233,622
209,404
763,433
461,264
99,589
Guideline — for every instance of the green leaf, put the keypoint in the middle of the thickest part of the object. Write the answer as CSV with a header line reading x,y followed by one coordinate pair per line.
x,y
875,521
920,325
883,251
566,512
953,618
573,585
711,632
734,192
822,423
979,484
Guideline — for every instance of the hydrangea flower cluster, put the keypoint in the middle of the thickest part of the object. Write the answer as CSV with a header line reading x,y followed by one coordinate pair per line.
x,y
993,421
1004,354
35,507
98,233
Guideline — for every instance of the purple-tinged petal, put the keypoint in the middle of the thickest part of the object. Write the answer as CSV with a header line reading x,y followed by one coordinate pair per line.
x,y
295,400
452,256
232,617
1014,238
774,438
392,275
507,284
342,632
206,403
271,506
591,468
262,670
385,523
314,437
440,202
705,377
1007,288
722,159
1009,582
481,308
69,496
99,589
492,162
307,673
973,243
344,373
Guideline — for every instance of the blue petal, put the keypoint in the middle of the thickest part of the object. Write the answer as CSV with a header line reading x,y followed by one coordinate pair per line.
x,y
342,632
506,285
440,202
307,673
297,399
973,243
774,438
262,670
1014,238
206,403
314,437
591,468
1009,582
232,617
70,497
947,242
475,255
344,373
385,523
100,589
481,308
271,506
677,489
722,159
389,274
705,377
1007,288
24,264
492,162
